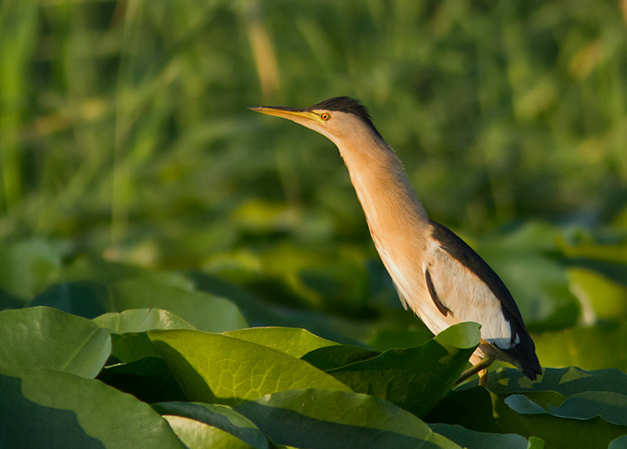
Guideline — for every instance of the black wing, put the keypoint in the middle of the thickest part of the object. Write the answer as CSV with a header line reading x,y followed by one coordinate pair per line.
x,y
524,351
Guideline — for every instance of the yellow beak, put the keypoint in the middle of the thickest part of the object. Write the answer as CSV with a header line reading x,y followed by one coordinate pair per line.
x,y
285,112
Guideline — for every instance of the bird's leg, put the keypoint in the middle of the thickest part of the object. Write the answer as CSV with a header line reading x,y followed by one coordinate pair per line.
x,y
480,367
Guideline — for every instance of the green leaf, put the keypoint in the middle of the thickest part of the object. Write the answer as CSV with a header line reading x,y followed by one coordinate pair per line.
x,y
331,357
52,409
471,439
203,311
619,443
140,320
557,432
585,347
521,416
415,379
400,338
130,343
610,406
220,416
566,381
27,266
322,419
454,409
534,403
197,435
47,338
148,379
131,347
291,341
216,368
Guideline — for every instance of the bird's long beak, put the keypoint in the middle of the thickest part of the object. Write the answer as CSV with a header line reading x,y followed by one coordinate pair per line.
x,y
285,112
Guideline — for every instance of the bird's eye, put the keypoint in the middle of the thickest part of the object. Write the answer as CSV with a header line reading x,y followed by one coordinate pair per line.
x,y
324,116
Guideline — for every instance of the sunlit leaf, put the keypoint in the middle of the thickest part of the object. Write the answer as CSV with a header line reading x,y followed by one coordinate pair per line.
x,y
292,341
415,378
198,435
140,320
40,337
322,419
330,357
216,368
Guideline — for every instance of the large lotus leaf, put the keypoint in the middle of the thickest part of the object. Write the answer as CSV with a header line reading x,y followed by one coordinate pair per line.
x,y
415,378
330,357
27,266
219,416
566,381
323,419
216,368
526,415
454,409
56,410
405,337
292,341
472,439
148,379
141,320
557,432
477,409
610,406
40,337
198,435
592,348
130,342
132,346
203,311
619,443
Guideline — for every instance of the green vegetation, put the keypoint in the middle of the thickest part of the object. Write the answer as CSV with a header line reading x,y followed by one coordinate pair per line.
x,y
150,224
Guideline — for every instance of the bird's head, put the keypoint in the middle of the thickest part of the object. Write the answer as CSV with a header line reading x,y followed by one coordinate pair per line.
x,y
338,119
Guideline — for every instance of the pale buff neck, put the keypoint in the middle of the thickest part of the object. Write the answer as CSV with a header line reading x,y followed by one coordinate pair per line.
x,y
390,205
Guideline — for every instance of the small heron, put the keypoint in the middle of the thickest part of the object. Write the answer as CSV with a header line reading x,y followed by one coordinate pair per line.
x,y
436,274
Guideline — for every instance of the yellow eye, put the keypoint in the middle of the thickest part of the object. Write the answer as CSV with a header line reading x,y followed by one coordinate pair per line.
x,y
324,116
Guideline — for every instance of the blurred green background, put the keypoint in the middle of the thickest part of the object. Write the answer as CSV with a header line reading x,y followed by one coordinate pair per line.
x,y
124,135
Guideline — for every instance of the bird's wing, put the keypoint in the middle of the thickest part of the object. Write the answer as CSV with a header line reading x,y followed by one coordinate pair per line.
x,y
465,285
460,251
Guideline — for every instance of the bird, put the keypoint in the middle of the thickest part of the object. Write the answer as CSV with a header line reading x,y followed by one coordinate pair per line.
x,y
436,274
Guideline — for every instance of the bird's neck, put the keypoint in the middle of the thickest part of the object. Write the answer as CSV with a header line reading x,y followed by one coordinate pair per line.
x,y
391,206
